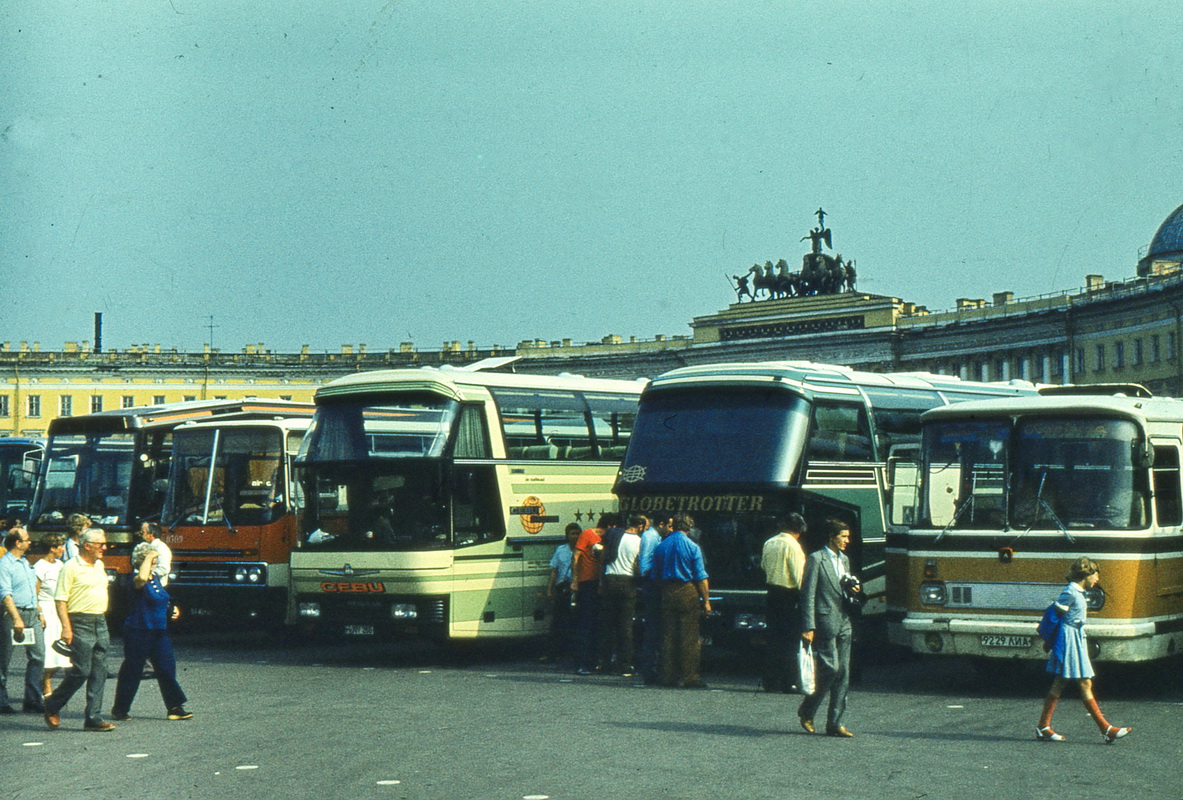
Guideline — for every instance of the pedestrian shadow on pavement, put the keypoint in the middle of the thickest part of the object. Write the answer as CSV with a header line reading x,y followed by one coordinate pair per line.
x,y
745,731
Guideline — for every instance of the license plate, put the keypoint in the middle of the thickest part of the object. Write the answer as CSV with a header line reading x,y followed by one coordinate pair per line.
x,y
998,640
359,630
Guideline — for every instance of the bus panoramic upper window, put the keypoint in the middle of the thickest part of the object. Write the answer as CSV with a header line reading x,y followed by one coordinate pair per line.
x,y
840,433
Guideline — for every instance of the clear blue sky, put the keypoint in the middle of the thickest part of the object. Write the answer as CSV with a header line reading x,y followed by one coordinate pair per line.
x,y
322,173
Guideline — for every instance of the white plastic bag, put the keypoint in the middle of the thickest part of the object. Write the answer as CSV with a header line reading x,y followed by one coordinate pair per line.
x,y
805,680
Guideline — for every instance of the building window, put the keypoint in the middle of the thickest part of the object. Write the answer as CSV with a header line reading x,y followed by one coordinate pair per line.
x,y
189,398
96,403
34,405
1099,365
4,410
1155,353
1118,355
158,400
128,401
65,406
1170,347
1080,361
1138,354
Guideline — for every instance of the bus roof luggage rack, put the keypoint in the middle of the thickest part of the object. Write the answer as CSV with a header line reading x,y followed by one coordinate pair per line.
x,y
1127,389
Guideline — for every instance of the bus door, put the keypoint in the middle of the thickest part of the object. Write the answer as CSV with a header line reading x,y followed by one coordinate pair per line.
x,y
1168,516
903,486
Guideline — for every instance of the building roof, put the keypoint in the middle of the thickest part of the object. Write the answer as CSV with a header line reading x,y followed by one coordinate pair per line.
x,y
1169,239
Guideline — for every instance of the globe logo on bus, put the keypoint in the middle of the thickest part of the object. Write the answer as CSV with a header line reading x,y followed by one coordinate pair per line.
x,y
633,474
532,518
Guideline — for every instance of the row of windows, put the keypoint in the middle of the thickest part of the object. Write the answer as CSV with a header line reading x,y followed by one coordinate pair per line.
x,y
1142,351
66,404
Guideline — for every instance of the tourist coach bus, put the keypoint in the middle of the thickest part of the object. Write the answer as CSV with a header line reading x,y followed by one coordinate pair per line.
x,y
434,499
113,467
1010,492
20,461
231,513
738,446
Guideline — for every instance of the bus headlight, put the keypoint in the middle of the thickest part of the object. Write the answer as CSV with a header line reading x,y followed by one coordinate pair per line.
x,y
404,611
932,594
750,622
309,610
251,575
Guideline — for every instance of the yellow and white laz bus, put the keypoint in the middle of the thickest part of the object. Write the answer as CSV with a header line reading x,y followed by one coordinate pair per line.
x,y
433,500
1009,492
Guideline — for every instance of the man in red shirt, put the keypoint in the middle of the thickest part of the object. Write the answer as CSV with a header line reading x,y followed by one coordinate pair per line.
x,y
586,567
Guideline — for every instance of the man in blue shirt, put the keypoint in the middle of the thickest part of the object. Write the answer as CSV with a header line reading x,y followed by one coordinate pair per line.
x,y
21,622
685,597
558,594
660,526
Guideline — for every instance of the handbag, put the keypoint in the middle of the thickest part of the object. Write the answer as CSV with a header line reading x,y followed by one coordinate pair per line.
x,y
805,678
1049,625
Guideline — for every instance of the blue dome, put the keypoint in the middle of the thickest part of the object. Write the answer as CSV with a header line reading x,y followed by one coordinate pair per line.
x,y
1169,239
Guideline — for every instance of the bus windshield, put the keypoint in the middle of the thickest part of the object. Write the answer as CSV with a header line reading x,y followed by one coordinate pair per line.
x,y
1041,474
403,427
87,473
375,505
245,487
18,469
718,436
373,476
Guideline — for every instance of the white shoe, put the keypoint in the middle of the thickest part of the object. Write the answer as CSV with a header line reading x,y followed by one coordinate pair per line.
x,y
1048,735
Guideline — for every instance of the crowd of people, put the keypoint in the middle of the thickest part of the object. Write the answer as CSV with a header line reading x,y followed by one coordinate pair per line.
x,y
599,574
56,612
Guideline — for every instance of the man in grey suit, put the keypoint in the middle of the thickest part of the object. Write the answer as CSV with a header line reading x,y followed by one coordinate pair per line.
x,y
825,622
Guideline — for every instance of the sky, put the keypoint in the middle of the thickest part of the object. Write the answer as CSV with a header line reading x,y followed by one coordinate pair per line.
x,y
307,172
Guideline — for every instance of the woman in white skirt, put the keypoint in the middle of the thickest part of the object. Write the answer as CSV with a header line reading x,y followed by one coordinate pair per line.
x,y
1069,659
48,569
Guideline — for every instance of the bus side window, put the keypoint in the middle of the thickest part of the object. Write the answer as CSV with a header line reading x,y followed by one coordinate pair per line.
x,y
839,433
476,515
613,417
544,425
1167,505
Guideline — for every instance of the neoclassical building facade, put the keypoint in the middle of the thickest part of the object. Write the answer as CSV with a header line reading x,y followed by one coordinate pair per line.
x,y
1120,332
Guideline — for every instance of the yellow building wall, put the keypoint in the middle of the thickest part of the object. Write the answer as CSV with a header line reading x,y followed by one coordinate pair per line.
x,y
48,399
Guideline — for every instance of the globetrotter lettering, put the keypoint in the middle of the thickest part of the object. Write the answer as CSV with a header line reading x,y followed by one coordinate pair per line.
x,y
347,587
693,502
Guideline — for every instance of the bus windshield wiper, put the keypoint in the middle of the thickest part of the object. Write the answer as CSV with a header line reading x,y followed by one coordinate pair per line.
x,y
968,502
1041,503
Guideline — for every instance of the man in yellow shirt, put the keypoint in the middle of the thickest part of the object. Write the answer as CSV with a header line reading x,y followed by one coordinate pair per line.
x,y
783,561
81,601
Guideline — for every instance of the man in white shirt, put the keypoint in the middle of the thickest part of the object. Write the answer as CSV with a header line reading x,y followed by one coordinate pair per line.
x,y
783,562
619,589
151,532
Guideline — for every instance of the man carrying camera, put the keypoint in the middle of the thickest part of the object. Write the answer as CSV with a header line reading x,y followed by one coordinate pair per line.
x,y
828,591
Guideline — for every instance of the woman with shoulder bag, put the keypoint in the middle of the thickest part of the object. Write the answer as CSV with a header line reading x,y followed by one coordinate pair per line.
x,y
1069,656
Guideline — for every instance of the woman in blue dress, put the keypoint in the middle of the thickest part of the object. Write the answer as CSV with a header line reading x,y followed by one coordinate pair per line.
x,y
1069,659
